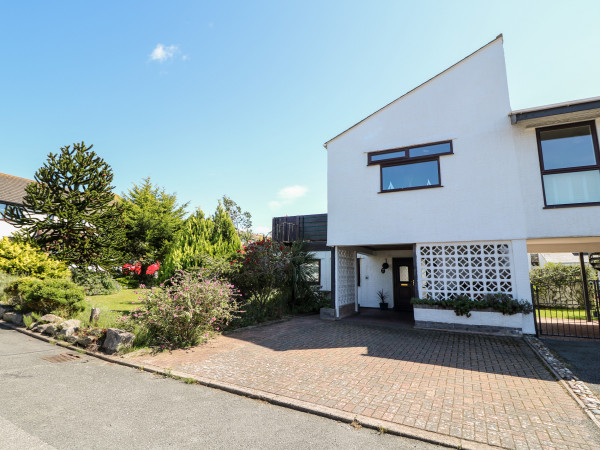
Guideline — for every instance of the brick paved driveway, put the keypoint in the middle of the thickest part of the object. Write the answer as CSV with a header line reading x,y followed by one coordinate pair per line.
x,y
490,390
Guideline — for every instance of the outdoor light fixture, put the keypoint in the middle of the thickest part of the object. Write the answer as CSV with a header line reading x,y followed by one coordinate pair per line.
x,y
384,266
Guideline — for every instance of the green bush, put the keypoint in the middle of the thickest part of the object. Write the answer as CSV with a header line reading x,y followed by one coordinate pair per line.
x,y
557,273
463,305
95,282
185,312
59,296
5,280
560,284
18,258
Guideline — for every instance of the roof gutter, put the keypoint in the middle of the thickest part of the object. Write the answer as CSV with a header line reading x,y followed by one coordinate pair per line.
x,y
554,110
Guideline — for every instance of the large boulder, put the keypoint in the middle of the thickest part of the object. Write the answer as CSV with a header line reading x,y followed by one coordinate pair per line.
x,y
13,317
5,309
69,331
117,339
49,329
72,323
51,318
70,339
86,341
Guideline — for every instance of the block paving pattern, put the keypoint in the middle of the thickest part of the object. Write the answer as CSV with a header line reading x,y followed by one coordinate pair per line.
x,y
486,389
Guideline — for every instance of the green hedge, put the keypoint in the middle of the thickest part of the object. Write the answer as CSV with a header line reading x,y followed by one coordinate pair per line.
x,y
59,296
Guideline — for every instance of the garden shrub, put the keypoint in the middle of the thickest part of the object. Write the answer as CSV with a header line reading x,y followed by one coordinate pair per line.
x,y
302,291
560,284
198,237
95,282
262,278
275,279
59,296
5,280
18,258
463,304
557,273
184,312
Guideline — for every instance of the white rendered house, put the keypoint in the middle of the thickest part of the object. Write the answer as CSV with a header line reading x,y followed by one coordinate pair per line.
x,y
451,189
12,191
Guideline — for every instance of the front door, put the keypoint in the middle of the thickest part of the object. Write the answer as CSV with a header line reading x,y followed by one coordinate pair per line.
x,y
404,284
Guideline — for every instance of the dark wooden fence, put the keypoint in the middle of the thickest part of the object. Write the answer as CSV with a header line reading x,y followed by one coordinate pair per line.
x,y
312,228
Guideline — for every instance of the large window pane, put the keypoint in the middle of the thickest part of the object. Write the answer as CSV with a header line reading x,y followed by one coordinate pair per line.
x,y
410,175
431,150
384,156
572,187
567,147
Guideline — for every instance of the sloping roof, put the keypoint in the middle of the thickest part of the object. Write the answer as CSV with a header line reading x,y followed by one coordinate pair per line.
x,y
412,90
579,109
12,189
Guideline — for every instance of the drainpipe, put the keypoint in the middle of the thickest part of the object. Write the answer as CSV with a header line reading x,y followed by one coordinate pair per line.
x,y
586,294
333,278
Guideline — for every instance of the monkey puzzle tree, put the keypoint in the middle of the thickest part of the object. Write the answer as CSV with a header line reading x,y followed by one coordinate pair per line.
x,y
70,210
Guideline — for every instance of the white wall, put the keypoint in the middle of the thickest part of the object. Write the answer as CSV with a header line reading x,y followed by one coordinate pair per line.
x,y
6,229
325,258
481,195
372,280
492,186
540,222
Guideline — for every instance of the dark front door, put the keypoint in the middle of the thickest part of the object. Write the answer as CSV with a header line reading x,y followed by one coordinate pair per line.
x,y
404,284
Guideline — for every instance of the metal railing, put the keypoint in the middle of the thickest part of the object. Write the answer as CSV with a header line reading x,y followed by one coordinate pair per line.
x,y
567,309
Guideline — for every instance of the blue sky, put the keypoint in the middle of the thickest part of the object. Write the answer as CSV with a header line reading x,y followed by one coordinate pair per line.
x,y
214,97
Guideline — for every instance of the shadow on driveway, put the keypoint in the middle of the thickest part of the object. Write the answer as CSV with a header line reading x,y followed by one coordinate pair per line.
x,y
581,356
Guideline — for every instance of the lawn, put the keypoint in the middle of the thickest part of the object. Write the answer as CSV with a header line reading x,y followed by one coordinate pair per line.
x,y
111,306
563,313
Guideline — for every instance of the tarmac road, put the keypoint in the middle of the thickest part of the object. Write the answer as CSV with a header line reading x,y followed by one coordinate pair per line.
x,y
88,403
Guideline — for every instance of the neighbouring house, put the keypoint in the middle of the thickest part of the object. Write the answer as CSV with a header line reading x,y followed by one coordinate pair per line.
x,y
541,259
12,191
446,190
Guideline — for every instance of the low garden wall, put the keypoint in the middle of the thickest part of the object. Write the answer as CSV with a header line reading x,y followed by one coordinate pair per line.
x,y
486,321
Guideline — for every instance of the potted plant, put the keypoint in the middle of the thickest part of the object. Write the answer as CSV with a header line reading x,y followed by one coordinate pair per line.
x,y
382,296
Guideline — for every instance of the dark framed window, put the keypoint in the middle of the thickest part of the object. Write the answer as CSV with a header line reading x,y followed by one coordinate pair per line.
x,y
412,175
314,272
569,164
415,167
3,206
413,152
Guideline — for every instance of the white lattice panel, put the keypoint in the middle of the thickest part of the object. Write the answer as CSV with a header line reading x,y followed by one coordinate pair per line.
x,y
473,269
345,286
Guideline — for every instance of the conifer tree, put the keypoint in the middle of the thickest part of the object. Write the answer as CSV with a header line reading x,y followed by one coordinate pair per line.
x,y
199,237
70,209
152,217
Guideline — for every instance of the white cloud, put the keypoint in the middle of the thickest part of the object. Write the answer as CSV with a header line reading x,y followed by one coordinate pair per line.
x,y
292,192
288,195
262,230
162,53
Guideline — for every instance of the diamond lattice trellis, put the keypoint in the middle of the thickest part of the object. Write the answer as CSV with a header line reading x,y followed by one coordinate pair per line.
x,y
473,269
345,285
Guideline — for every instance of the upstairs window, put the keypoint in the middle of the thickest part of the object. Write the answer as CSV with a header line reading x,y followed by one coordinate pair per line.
x,y
570,164
415,167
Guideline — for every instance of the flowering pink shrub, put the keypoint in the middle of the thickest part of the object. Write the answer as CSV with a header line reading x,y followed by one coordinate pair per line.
x,y
185,312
